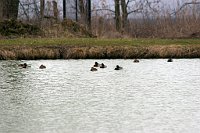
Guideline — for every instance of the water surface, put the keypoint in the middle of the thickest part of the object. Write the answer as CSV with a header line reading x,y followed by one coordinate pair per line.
x,y
152,96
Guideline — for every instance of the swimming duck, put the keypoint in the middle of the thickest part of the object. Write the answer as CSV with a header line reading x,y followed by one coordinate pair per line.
x,y
42,67
102,65
93,69
136,61
170,60
23,65
118,67
96,64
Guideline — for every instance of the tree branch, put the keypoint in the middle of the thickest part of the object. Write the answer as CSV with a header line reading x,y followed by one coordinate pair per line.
x,y
150,3
184,5
24,10
103,10
136,10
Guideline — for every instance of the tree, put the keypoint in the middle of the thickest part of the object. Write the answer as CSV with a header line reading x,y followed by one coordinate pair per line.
x,y
55,9
124,13
82,9
85,12
117,15
186,4
42,7
89,14
9,9
76,8
64,9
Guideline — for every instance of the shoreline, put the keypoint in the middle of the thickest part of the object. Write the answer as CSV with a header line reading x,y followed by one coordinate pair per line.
x,y
24,52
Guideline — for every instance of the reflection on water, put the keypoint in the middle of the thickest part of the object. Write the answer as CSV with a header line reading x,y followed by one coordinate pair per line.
x,y
150,96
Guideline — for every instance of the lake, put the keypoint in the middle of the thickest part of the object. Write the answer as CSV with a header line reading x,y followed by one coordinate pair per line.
x,y
153,96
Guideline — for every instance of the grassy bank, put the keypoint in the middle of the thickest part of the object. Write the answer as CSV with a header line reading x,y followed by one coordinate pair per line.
x,y
95,41
62,48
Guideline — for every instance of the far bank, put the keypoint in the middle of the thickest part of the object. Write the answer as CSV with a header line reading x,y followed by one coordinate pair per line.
x,y
85,48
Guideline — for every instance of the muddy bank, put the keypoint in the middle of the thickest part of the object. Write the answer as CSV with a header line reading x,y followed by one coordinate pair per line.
x,y
98,52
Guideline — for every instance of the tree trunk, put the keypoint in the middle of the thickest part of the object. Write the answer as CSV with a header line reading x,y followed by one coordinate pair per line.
x,y
64,9
124,14
9,9
42,6
82,9
89,15
55,9
117,15
76,5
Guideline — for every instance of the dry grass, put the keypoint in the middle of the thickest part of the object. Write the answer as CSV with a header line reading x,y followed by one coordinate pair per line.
x,y
86,48
99,52
162,24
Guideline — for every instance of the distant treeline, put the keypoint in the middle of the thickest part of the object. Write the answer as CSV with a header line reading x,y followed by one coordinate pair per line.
x,y
124,19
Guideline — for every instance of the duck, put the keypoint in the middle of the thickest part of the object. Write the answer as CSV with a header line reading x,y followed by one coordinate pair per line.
x,y
170,60
93,69
118,67
42,67
96,64
23,65
136,61
102,65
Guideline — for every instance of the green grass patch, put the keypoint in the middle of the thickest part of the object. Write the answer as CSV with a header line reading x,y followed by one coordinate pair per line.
x,y
95,41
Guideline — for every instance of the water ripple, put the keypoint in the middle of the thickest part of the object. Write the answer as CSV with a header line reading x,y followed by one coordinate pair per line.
x,y
151,96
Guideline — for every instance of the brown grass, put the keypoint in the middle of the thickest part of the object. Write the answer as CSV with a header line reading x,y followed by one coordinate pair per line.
x,y
162,24
98,52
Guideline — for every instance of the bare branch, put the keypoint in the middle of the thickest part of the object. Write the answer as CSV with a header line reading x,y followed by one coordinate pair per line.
x,y
136,10
184,5
150,5
24,10
103,10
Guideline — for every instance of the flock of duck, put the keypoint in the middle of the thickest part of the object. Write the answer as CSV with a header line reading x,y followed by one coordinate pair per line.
x,y
96,64
25,65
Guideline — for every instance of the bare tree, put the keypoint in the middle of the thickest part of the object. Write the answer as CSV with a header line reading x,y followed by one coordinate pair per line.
x,y
64,9
55,9
82,9
9,9
186,4
124,13
42,7
76,8
89,15
117,15
129,7
31,10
